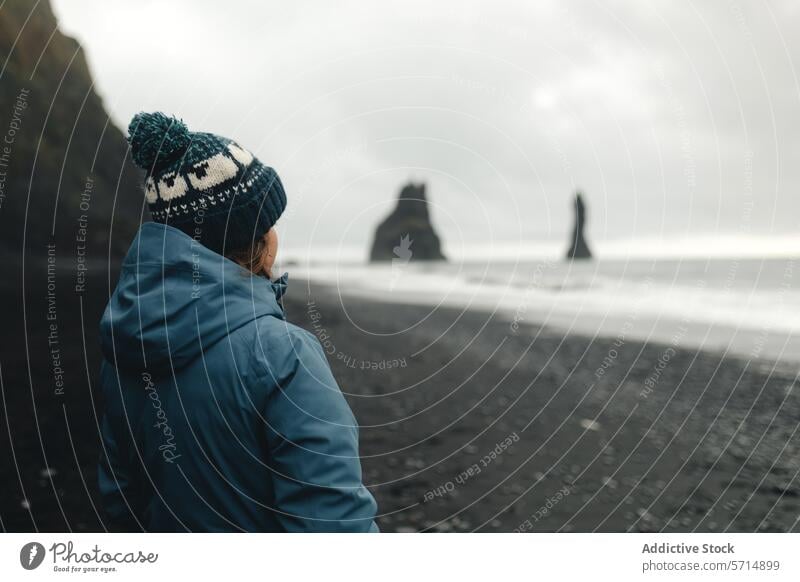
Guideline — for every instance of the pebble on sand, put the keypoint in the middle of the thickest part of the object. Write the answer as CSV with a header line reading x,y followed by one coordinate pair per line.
x,y
609,482
589,424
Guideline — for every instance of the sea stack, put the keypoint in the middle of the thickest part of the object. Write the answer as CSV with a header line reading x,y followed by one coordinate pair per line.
x,y
578,248
407,233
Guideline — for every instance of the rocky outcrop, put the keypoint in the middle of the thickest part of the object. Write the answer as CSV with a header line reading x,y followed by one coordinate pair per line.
x,y
65,179
578,248
407,233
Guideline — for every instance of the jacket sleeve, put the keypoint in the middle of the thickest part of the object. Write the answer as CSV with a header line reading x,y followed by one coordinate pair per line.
x,y
114,483
313,445
113,476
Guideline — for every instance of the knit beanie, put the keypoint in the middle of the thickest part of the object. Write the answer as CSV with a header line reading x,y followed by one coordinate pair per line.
x,y
208,186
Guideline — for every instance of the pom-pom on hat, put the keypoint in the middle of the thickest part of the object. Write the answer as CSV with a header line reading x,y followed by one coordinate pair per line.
x,y
206,185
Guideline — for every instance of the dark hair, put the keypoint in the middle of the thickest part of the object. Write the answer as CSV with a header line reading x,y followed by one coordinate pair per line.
x,y
251,257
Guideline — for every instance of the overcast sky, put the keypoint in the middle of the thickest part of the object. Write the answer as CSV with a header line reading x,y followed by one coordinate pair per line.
x,y
674,118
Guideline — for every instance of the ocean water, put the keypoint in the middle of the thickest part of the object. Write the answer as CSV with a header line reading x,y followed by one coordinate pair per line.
x,y
746,307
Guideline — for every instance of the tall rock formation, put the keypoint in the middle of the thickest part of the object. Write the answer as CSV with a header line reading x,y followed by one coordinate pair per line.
x,y
578,248
407,233
63,174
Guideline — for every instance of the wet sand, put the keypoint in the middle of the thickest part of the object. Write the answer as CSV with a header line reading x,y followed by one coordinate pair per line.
x,y
468,423
472,423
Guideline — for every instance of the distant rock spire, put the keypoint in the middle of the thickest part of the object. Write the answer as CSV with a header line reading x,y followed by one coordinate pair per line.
x,y
407,233
578,248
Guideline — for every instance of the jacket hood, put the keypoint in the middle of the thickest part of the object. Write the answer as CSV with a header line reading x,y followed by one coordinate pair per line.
x,y
176,298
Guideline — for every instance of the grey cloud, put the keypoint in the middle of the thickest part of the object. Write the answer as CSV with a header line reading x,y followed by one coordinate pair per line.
x,y
672,117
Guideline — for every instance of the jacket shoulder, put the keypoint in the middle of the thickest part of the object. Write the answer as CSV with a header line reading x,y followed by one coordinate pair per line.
x,y
282,332
292,361
280,348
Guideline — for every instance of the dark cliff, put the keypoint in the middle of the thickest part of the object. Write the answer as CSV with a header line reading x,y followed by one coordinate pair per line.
x,y
62,162
407,233
578,248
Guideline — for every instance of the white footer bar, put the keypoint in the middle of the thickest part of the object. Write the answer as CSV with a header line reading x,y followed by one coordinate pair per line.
x,y
388,557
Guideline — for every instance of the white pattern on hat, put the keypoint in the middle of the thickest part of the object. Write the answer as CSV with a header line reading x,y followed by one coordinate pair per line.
x,y
150,192
172,186
211,172
240,154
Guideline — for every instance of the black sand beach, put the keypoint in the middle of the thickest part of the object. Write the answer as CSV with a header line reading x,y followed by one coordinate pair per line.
x,y
470,423
467,423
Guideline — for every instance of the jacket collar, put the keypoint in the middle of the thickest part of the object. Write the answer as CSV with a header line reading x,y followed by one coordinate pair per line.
x,y
279,286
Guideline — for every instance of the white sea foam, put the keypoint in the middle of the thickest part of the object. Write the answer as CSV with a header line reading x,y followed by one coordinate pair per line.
x,y
751,306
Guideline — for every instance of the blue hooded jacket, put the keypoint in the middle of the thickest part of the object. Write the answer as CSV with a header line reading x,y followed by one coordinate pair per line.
x,y
220,415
